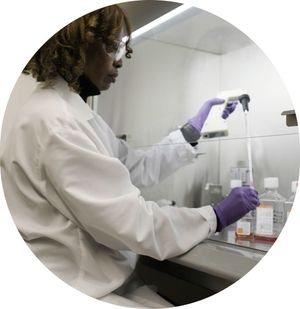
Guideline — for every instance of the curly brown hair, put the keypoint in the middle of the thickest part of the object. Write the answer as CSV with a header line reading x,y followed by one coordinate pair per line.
x,y
64,54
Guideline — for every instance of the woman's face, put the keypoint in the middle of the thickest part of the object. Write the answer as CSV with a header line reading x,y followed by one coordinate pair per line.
x,y
101,67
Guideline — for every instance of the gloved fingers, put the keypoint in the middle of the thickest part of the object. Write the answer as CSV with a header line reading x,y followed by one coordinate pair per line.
x,y
254,201
253,193
251,190
251,196
230,107
225,114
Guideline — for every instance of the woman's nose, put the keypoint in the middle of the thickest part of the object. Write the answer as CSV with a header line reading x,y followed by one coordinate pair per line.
x,y
118,63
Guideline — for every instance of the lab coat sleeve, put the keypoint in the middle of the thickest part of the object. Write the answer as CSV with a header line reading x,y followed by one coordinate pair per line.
x,y
97,193
151,165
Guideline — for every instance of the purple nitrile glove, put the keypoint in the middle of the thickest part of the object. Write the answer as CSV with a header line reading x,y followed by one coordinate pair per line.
x,y
230,107
240,201
200,118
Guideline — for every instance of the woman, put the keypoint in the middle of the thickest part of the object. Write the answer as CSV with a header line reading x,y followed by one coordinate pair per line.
x,y
72,186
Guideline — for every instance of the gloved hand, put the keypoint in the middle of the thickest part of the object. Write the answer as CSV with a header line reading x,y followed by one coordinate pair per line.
x,y
239,202
200,118
230,107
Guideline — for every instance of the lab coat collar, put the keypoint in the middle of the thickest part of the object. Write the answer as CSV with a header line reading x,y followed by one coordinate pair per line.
x,y
77,105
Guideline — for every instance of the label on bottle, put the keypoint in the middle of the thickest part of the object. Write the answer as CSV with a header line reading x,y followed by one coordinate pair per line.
x,y
243,228
264,220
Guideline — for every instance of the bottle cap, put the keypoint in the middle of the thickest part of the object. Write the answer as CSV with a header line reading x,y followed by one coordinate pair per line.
x,y
234,183
271,183
294,186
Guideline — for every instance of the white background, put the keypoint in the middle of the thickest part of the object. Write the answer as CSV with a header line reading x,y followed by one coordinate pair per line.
x,y
25,25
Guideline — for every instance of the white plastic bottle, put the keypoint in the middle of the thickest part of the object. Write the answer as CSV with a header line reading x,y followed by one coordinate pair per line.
x,y
290,200
270,213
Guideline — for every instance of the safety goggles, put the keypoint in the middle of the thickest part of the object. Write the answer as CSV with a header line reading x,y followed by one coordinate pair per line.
x,y
117,49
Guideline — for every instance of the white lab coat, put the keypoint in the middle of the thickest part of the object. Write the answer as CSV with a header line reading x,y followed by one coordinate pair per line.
x,y
72,189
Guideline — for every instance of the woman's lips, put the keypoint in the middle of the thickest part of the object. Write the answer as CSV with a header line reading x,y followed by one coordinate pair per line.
x,y
113,77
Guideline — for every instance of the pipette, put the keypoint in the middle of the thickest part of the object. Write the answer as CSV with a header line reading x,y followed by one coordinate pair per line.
x,y
244,100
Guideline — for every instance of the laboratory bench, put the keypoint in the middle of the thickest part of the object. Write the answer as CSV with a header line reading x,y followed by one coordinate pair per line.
x,y
208,268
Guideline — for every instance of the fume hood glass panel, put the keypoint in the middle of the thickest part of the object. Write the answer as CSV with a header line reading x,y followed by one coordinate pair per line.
x,y
207,180
187,186
272,156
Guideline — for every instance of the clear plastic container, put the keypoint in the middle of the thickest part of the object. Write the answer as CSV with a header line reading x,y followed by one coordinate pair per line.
x,y
245,227
270,214
231,229
290,200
